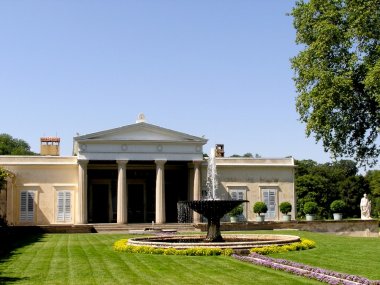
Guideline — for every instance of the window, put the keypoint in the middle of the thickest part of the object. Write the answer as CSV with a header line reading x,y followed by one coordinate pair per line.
x,y
64,206
270,199
27,206
238,193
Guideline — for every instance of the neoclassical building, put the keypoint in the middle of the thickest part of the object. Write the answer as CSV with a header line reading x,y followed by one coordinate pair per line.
x,y
134,174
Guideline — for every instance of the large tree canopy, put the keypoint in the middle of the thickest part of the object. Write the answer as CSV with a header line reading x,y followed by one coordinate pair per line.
x,y
13,146
337,75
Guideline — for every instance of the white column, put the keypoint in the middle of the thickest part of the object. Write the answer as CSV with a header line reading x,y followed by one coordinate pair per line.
x,y
81,209
197,187
122,194
160,191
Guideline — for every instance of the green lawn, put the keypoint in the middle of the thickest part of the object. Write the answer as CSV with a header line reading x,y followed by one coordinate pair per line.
x,y
90,259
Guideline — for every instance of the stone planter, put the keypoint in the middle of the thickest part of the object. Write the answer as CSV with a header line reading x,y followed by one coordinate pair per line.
x,y
286,218
310,217
337,216
260,218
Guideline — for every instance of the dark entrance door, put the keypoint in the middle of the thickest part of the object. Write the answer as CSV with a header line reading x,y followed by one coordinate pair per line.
x,y
99,203
137,212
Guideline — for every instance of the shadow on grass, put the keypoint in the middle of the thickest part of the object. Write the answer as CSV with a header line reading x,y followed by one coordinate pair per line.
x,y
10,280
12,239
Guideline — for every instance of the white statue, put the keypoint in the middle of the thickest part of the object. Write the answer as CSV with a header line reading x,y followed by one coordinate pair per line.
x,y
365,208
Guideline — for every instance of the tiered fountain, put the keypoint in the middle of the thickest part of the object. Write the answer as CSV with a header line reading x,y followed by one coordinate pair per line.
x,y
212,208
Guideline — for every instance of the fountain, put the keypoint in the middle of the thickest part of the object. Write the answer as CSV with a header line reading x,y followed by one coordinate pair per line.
x,y
213,209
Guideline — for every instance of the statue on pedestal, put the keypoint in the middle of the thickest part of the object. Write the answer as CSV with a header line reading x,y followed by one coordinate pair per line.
x,y
365,208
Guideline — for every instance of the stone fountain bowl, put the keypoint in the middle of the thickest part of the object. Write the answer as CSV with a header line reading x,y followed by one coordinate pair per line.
x,y
215,209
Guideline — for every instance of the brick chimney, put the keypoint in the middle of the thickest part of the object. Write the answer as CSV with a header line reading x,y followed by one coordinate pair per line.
x,y
50,146
219,150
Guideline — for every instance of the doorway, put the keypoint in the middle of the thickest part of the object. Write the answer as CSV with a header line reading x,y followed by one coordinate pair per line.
x,y
100,208
137,203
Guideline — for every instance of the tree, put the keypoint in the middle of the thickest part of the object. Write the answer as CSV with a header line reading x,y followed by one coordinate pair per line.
x,y
324,183
373,178
13,146
337,75
351,191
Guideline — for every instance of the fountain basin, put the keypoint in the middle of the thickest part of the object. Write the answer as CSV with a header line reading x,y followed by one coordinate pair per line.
x,y
213,210
232,241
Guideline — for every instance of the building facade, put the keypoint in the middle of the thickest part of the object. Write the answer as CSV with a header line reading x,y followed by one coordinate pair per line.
x,y
136,174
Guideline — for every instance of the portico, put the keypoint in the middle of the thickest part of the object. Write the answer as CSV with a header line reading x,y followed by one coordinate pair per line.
x,y
136,173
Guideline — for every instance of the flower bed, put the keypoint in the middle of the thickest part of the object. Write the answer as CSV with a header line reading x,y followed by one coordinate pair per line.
x,y
323,275
121,245
270,249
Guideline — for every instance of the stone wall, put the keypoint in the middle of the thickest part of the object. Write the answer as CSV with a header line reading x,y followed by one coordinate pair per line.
x,y
357,228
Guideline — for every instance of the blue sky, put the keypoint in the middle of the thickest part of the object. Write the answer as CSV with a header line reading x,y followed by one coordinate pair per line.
x,y
215,68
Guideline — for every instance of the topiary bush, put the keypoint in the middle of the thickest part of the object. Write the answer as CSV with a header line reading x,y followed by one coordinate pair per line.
x,y
260,207
285,208
337,206
310,208
236,211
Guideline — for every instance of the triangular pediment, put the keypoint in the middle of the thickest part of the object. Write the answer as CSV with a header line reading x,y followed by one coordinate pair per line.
x,y
140,132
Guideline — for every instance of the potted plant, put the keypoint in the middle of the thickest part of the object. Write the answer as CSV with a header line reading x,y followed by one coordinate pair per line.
x,y
310,209
285,208
260,208
337,207
235,213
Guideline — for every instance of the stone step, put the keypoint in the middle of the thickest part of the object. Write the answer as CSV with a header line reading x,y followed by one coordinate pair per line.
x,y
141,227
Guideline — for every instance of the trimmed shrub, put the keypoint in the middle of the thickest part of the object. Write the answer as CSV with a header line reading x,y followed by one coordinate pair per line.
x,y
338,206
260,207
285,208
310,208
238,210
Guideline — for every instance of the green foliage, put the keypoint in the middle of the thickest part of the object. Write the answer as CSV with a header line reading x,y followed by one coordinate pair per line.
x,y
121,245
13,146
285,208
238,210
338,206
304,244
373,178
310,208
351,190
337,75
376,207
260,207
4,174
324,183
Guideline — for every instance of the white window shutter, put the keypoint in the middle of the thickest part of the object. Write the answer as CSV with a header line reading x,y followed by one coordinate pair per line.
x,y
60,206
23,209
27,206
30,206
64,206
68,207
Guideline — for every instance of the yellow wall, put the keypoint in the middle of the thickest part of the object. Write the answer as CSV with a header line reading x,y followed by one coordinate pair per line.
x,y
45,178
